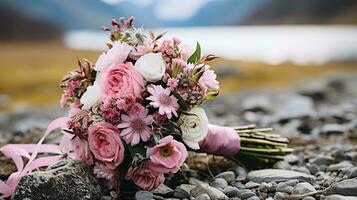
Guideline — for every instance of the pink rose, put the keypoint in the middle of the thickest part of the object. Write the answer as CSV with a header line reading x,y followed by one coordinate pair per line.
x,y
145,176
105,144
120,81
82,151
168,155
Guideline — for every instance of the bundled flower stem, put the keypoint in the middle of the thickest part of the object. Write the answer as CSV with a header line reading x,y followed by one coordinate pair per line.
x,y
261,146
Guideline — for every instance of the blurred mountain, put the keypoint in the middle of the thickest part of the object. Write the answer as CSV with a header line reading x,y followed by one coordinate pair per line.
x,y
23,27
93,14
67,14
304,12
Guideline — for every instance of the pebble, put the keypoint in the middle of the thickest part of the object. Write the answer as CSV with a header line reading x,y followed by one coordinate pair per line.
x,y
292,159
143,195
352,172
286,189
340,197
246,195
309,198
183,191
229,176
339,166
230,191
203,197
219,183
241,173
212,192
346,187
253,198
303,188
251,185
280,196
313,168
322,160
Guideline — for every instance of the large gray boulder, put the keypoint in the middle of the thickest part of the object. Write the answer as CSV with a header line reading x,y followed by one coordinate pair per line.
x,y
269,175
65,180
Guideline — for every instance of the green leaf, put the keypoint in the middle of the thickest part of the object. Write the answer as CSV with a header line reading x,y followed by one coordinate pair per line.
x,y
181,101
196,55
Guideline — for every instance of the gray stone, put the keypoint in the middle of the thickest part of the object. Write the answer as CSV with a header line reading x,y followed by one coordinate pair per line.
x,y
280,196
352,156
282,165
67,180
203,197
340,197
246,195
230,191
329,129
303,188
346,187
313,168
212,192
253,198
229,176
269,175
183,191
352,173
292,182
241,173
286,189
143,195
339,166
251,185
322,160
309,198
295,107
219,183
291,159
163,190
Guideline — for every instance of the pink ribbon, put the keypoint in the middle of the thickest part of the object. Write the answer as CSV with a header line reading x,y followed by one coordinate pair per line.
x,y
30,151
220,140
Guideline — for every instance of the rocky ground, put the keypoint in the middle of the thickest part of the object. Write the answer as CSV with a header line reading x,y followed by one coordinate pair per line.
x,y
319,118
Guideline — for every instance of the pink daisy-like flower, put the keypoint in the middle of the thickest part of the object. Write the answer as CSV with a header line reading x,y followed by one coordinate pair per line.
x,y
136,126
172,83
161,98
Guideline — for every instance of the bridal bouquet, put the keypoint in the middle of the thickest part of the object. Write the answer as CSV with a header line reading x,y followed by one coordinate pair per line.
x,y
136,112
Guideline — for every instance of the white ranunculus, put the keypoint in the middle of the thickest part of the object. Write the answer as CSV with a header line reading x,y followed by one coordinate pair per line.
x,y
151,66
194,127
91,97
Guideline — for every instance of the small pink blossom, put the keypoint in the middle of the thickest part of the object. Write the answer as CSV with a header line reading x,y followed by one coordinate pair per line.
x,y
168,49
82,151
160,98
176,40
105,144
120,81
172,83
78,120
71,88
102,171
186,51
208,80
168,156
136,125
141,50
145,176
110,111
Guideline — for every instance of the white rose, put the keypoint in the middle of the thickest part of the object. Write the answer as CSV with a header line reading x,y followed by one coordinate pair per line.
x,y
194,127
91,97
151,66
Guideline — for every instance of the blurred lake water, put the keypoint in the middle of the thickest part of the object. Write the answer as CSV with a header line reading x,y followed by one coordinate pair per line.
x,y
272,44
